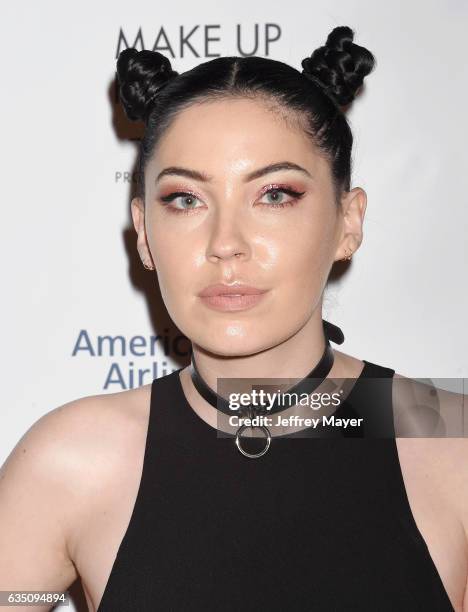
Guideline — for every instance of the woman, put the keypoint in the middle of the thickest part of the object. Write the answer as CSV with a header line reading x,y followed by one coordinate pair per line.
x,y
244,205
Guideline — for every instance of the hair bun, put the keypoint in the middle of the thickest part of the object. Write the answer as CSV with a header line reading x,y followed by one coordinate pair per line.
x,y
141,74
339,66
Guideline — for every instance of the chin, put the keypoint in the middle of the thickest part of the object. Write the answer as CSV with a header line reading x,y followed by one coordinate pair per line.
x,y
232,349
237,339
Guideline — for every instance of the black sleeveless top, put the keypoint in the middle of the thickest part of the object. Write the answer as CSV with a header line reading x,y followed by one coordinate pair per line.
x,y
317,523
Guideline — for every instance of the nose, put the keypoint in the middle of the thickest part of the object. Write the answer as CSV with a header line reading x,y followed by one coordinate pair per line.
x,y
227,238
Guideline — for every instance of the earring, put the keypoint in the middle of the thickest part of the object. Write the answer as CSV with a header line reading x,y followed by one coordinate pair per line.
x,y
349,255
147,267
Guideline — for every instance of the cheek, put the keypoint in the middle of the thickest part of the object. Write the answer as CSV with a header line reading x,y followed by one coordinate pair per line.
x,y
181,271
304,251
171,259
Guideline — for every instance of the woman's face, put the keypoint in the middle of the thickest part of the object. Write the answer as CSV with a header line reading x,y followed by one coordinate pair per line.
x,y
232,227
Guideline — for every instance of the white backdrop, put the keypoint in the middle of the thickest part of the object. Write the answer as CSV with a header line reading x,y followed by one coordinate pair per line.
x,y
69,264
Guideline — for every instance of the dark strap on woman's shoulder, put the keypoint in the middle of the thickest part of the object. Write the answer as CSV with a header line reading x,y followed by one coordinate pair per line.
x,y
372,401
375,370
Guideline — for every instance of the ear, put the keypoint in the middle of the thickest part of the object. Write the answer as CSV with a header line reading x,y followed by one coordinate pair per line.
x,y
353,209
138,215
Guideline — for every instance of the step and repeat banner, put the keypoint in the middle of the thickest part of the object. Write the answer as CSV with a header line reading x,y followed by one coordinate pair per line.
x,y
81,316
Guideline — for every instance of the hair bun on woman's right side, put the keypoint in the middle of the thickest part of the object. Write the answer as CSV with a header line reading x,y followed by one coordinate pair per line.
x,y
141,74
339,67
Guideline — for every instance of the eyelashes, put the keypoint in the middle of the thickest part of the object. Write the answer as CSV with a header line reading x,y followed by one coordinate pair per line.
x,y
275,190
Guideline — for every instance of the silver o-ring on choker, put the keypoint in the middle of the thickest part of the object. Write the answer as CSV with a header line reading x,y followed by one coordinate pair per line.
x,y
253,455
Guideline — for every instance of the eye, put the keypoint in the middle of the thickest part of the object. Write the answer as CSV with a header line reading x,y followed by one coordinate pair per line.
x,y
187,199
276,195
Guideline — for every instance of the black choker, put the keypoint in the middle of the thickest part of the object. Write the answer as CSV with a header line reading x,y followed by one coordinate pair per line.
x,y
319,373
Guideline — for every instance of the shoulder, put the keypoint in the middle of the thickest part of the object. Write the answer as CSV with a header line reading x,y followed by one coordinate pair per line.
x,y
83,427
433,436
424,408
431,425
75,453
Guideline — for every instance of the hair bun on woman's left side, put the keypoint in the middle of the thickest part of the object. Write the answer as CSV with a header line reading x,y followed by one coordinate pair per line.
x,y
339,67
141,74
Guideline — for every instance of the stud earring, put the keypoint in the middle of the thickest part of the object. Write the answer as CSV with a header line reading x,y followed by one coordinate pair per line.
x,y
349,255
147,267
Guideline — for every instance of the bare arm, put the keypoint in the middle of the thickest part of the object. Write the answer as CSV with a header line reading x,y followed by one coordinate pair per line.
x,y
36,505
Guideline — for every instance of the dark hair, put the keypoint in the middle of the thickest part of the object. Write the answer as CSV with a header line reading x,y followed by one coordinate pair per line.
x,y
152,92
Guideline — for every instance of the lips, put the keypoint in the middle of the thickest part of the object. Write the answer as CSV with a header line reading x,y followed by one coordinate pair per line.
x,y
230,290
231,298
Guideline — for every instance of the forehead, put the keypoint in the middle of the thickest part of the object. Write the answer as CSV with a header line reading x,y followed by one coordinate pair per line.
x,y
234,135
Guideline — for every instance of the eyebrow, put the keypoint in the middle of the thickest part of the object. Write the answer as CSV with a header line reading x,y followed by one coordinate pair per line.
x,y
200,176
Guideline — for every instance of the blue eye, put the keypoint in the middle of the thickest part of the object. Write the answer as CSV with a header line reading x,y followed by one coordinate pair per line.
x,y
184,196
275,191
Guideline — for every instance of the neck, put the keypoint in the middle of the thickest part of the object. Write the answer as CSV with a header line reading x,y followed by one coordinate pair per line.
x,y
292,358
